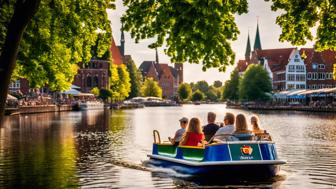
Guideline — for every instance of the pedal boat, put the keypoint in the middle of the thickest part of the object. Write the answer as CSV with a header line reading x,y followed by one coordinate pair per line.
x,y
230,159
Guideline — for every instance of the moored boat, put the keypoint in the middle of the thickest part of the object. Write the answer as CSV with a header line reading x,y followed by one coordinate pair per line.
x,y
229,159
89,105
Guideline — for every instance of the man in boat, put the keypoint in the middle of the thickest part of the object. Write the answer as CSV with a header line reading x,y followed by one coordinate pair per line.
x,y
179,133
211,128
228,128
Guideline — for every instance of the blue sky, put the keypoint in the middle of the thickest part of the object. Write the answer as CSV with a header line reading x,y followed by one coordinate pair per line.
x,y
269,33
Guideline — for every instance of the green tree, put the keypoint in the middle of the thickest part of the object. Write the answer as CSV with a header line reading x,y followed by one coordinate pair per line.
x,y
151,88
105,94
231,87
135,77
197,96
184,91
120,82
255,84
95,91
203,86
211,94
217,84
195,31
44,40
300,16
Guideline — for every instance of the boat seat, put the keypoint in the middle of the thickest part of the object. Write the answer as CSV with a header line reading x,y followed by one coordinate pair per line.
x,y
194,153
166,149
243,137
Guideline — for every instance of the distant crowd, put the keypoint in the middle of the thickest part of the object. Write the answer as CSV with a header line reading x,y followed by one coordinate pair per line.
x,y
233,128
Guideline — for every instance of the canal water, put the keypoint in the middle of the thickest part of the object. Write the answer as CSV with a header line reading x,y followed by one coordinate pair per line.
x,y
107,149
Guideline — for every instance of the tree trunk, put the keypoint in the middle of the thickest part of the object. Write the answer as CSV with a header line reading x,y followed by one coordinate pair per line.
x,y
23,13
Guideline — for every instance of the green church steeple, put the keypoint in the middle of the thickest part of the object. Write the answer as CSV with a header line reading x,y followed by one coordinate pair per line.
x,y
257,43
248,48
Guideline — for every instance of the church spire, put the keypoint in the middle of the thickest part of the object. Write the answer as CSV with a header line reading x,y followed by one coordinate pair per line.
x,y
257,43
156,56
122,41
248,48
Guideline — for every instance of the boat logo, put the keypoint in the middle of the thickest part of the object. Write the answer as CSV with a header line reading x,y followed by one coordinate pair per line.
x,y
246,150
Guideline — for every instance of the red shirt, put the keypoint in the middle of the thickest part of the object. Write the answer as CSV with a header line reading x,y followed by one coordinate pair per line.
x,y
193,139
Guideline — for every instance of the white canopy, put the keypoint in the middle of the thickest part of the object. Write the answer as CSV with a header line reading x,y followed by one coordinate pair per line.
x,y
71,92
10,97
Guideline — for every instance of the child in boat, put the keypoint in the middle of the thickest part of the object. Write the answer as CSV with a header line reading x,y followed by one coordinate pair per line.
x,y
194,135
179,133
242,132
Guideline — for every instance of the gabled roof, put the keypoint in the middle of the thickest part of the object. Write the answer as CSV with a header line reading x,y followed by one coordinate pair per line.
x,y
326,57
116,56
277,58
145,66
164,70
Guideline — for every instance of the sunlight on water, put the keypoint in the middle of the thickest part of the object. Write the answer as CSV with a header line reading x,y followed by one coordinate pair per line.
x,y
107,149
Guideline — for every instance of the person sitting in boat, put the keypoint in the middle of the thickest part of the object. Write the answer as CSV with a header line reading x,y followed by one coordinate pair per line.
x,y
194,135
259,133
179,133
228,128
242,132
211,128
255,125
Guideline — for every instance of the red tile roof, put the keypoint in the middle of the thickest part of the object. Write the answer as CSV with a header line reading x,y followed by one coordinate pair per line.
x,y
277,58
116,56
311,56
242,65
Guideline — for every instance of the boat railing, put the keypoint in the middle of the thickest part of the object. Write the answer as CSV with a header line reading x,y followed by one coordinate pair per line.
x,y
156,135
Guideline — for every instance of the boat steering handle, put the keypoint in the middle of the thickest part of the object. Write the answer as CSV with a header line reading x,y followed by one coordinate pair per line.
x,y
156,135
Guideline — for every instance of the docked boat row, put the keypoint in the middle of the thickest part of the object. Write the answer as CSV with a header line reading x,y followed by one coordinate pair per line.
x,y
238,159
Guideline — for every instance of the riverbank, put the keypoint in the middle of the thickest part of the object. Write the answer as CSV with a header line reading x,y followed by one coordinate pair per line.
x,y
38,109
282,108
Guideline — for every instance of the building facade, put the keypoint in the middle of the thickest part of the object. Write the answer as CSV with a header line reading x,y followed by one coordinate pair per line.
x,y
291,68
168,77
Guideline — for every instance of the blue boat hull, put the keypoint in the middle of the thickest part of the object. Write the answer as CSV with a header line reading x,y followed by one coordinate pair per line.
x,y
250,171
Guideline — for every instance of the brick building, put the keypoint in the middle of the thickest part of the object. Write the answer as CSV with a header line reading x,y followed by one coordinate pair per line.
x,y
167,76
291,68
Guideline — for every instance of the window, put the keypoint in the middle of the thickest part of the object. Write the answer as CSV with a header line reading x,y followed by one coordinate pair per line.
x,y
309,75
291,68
321,76
296,60
314,75
321,66
88,81
291,77
314,66
290,86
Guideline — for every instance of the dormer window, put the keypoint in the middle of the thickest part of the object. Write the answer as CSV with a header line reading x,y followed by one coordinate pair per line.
x,y
321,66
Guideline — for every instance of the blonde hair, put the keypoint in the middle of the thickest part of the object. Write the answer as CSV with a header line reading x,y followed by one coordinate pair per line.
x,y
256,124
241,124
194,126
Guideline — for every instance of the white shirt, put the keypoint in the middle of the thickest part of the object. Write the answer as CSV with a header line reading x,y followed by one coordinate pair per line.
x,y
226,130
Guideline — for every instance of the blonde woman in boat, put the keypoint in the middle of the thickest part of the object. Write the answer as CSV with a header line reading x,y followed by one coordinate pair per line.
x,y
255,125
193,135
242,132
260,133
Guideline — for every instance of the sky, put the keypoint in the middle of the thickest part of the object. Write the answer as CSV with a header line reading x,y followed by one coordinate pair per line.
x,y
258,10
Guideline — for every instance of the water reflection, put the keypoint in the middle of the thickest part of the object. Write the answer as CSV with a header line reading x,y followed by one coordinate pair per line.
x,y
36,152
81,149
